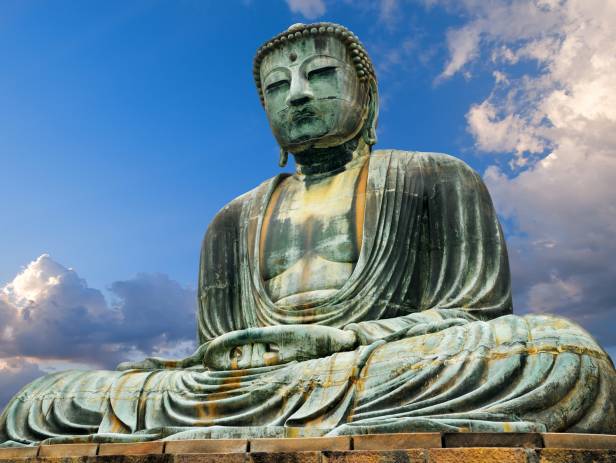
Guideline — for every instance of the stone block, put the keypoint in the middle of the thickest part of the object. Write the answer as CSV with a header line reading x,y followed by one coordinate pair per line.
x,y
419,440
145,458
478,455
376,456
161,458
492,439
68,450
208,458
133,448
579,441
576,456
18,452
301,444
74,459
285,457
207,446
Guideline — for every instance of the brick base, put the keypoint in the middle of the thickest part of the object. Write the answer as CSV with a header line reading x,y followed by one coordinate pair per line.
x,y
382,448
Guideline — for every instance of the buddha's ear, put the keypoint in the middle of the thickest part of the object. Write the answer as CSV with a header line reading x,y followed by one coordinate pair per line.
x,y
284,156
369,130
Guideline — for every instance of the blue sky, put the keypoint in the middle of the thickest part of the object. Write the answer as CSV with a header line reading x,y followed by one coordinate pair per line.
x,y
132,122
125,125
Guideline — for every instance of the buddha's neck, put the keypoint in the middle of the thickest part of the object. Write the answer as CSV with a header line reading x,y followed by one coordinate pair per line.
x,y
324,162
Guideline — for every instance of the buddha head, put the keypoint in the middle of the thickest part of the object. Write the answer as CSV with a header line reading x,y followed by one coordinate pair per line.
x,y
318,87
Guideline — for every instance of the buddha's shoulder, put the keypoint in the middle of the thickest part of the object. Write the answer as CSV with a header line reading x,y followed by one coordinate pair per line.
x,y
428,161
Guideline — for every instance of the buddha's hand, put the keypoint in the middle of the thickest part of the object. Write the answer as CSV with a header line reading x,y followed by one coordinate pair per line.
x,y
274,345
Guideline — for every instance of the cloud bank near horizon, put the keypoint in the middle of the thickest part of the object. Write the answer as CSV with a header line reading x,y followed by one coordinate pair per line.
x,y
51,320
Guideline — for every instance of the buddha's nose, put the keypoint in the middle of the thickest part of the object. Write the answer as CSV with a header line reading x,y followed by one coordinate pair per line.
x,y
300,92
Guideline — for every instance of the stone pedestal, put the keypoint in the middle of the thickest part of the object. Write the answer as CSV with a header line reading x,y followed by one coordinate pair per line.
x,y
377,448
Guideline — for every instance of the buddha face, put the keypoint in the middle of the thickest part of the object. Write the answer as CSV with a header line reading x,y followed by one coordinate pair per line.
x,y
313,97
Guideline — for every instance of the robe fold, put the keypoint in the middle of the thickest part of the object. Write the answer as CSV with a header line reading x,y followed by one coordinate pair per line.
x,y
429,300
431,239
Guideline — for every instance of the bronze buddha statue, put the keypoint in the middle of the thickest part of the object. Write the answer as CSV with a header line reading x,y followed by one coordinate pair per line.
x,y
367,292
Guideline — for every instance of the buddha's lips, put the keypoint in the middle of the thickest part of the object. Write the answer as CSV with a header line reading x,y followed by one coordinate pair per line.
x,y
302,114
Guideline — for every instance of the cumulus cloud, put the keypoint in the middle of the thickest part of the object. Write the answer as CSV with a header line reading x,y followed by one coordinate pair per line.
x,y
463,46
51,319
503,132
310,9
557,124
493,23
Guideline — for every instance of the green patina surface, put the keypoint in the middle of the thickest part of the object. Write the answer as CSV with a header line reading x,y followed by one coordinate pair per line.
x,y
369,292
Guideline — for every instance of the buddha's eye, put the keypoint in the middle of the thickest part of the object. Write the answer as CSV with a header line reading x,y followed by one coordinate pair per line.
x,y
322,72
278,85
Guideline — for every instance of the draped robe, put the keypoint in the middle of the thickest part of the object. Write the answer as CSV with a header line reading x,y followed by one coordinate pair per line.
x,y
429,300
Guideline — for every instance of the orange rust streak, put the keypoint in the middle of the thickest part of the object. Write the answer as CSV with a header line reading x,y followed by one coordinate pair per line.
x,y
360,205
207,411
117,426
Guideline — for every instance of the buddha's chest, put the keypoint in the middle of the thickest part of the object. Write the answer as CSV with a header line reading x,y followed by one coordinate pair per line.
x,y
313,227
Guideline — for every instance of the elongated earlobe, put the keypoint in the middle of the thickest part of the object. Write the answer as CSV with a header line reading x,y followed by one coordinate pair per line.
x,y
284,156
369,130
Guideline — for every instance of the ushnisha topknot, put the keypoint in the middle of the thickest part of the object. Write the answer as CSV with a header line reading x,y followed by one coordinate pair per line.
x,y
361,60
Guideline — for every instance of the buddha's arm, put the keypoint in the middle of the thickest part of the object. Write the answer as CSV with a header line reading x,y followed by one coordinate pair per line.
x,y
220,308
462,258
158,363
461,270
415,324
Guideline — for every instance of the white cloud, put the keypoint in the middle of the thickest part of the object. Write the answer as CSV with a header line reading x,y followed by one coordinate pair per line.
x,y
45,279
506,133
559,122
494,23
463,46
310,9
50,315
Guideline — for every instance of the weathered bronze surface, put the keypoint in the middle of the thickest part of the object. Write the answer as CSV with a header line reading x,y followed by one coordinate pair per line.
x,y
367,293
